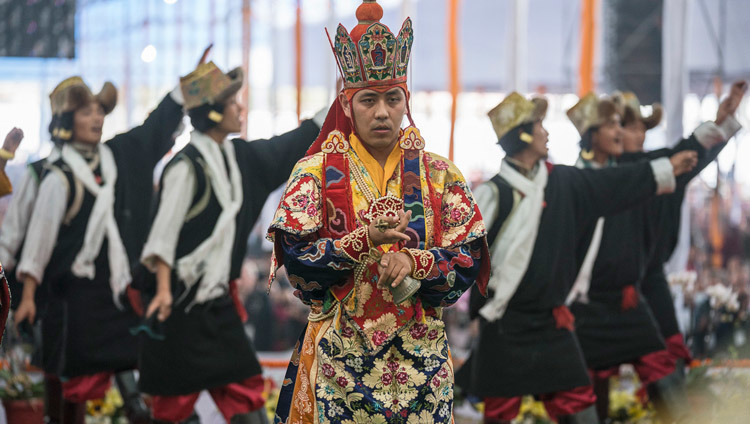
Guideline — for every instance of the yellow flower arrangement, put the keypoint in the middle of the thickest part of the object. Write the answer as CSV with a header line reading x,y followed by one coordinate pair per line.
x,y
624,405
533,408
271,396
108,410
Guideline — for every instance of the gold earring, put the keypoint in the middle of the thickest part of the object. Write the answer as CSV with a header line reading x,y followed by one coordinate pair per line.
x,y
587,154
215,116
526,137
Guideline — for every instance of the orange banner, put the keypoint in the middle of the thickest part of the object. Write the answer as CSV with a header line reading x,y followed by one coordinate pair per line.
x,y
453,58
715,230
298,58
588,38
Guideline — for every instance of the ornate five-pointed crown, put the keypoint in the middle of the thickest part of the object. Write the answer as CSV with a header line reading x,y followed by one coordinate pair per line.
x,y
371,55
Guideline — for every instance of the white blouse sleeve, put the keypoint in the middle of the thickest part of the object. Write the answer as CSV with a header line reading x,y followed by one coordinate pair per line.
x,y
176,196
41,236
486,196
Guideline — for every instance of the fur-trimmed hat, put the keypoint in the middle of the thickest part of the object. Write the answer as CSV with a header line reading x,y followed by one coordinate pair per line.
x,y
208,85
631,107
72,94
591,111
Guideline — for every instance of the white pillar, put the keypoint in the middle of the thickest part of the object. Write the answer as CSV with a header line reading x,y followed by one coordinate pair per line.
x,y
674,87
674,65
517,59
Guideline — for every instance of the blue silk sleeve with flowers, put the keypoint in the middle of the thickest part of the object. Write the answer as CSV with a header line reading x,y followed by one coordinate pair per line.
x,y
319,260
454,272
323,264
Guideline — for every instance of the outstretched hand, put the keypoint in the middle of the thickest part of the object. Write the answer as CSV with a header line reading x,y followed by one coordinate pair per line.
x,y
729,105
389,230
205,54
684,162
12,140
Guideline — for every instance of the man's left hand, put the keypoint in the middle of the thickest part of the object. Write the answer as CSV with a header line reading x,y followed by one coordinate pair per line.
x,y
394,267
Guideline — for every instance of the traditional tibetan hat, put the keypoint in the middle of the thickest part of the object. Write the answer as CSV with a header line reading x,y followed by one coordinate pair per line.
x,y
510,115
208,85
591,112
71,95
631,108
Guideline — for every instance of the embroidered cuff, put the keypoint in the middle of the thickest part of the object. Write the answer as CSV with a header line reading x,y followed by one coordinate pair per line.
x,y
422,262
663,175
356,245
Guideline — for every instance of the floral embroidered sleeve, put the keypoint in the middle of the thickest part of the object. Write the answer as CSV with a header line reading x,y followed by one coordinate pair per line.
x,y
451,272
314,264
450,269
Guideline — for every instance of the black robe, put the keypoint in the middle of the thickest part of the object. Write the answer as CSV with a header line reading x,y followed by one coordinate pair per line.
x,y
524,352
206,346
609,335
655,287
83,332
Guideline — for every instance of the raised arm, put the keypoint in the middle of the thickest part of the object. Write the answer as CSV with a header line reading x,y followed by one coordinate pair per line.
x,y
150,141
272,160
608,191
